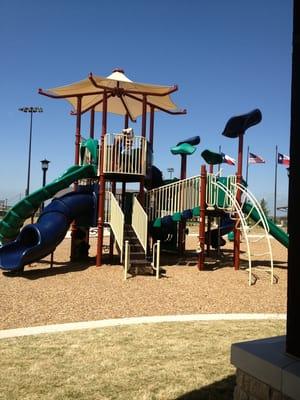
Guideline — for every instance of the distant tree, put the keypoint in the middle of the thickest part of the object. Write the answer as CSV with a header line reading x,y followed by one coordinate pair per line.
x,y
264,207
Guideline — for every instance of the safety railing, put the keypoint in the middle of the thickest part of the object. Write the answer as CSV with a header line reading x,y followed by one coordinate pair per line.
x,y
174,197
140,223
217,196
117,223
125,154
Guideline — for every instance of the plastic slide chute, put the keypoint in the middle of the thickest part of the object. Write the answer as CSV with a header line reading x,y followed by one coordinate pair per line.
x,y
274,230
36,241
89,146
14,219
167,222
226,226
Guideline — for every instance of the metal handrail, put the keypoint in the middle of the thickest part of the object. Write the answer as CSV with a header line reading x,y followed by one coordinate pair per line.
x,y
117,221
174,197
140,223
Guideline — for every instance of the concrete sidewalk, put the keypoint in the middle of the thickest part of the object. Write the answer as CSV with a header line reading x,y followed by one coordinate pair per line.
x,y
36,330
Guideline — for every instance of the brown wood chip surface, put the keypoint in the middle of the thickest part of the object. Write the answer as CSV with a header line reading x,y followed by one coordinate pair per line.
x,y
79,292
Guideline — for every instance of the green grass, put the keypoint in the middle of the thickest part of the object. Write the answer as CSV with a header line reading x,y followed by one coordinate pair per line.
x,y
158,361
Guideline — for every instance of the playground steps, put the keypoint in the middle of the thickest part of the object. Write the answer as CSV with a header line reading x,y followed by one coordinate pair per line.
x,y
138,262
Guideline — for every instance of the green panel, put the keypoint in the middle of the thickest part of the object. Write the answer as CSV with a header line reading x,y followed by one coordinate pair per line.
x,y
184,148
230,236
15,217
196,212
157,223
176,217
92,146
211,157
221,194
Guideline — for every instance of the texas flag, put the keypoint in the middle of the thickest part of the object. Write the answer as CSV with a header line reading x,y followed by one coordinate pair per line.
x,y
227,159
254,159
283,159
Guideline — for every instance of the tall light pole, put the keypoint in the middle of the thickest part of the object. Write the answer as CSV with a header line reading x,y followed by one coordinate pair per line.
x,y
30,110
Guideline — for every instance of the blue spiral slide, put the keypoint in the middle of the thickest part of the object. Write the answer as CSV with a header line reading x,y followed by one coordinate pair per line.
x,y
36,241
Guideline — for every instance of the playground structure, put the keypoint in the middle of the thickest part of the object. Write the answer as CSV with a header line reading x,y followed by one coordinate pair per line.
x,y
138,223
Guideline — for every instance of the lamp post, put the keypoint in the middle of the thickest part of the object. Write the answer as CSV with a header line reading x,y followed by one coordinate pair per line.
x,y
30,110
170,170
45,164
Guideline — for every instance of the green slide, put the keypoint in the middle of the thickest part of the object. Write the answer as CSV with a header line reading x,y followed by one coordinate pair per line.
x,y
275,231
15,217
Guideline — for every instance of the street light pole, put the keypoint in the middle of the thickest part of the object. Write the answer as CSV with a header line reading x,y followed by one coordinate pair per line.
x,y
31,110
45,164
170,170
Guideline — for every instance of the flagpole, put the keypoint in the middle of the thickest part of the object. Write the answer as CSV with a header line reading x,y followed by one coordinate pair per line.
x,y
219,168
275,186
247,165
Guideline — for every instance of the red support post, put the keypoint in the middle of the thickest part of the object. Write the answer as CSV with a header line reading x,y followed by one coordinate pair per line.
x,y
101,201
202,188
237,232
208,244
92,123
78,130
183,166
182,224
126,123
144,125
151,127
76,161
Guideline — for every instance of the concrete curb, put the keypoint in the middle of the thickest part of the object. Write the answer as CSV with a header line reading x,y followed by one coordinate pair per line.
x,y
37,330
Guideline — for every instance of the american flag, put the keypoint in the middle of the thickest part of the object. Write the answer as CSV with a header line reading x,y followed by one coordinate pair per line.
x,y
227,159
283,159
254,159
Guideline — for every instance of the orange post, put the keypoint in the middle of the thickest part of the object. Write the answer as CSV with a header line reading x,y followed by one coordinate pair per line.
x,y
237,232
101,202
202,188
76,161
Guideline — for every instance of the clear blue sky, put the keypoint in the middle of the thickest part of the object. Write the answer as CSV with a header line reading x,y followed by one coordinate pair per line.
x,y
227,57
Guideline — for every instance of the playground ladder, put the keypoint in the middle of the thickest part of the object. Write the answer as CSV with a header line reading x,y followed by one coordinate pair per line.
x,y
237,213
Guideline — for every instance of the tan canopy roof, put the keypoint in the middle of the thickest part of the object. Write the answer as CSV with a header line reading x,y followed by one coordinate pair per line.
x,y
124,96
